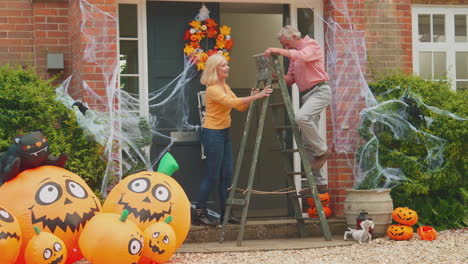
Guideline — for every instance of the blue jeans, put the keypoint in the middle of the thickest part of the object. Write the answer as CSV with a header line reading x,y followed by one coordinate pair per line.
x,y
218,151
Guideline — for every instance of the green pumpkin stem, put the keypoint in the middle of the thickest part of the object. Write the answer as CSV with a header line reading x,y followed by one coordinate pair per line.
x,y
37,230
168,165
168,220
124,215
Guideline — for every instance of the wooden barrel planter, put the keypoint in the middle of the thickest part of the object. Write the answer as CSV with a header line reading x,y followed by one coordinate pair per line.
x,y
377,203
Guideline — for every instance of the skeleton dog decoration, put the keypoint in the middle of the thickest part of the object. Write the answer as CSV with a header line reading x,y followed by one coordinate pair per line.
x,y
363,234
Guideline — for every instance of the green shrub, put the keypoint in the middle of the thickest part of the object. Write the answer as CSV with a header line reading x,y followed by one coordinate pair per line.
x,y
437,194
27,103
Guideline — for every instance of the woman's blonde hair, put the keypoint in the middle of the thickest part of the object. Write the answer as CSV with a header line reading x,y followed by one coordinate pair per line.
x,y
210,73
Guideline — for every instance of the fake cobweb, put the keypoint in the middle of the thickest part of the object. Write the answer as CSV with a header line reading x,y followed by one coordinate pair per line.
x,y
115,121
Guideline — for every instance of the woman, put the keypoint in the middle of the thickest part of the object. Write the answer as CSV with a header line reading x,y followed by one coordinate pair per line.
x,y
219,100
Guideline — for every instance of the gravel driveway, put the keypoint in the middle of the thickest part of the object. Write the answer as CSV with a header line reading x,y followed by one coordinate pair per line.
x,y
451,246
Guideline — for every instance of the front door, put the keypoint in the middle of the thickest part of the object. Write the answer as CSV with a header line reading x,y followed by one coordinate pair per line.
x,y
166,24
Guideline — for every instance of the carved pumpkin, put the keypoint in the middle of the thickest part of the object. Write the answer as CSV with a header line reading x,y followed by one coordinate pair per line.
x,y
427,233
45,248
405,216
151,197
110,238
400,232
10,237
312,212
160,242
324,199
53,199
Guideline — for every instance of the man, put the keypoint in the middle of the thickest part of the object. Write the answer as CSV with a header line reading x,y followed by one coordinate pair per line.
x,y
307,70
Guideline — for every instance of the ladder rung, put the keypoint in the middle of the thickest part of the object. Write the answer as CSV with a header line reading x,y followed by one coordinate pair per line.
x,y
234,201
308,218
292,173
295,195
277,104
289,150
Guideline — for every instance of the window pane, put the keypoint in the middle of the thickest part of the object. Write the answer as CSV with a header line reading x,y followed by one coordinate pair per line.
x,y
129,84
425,64
129,56
462,85
440,69
462,65
305,21
438,28
424,29
460,28
128,21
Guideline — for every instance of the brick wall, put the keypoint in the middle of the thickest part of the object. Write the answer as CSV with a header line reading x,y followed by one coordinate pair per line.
x,y
440,2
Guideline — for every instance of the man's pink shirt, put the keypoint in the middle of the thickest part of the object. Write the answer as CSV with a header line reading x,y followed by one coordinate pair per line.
x,y
307,67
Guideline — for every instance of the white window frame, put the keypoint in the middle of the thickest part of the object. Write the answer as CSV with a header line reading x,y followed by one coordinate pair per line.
x,y
449,46
142,55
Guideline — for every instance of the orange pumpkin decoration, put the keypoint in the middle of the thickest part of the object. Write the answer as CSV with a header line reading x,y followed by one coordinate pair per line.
x,y
10,237
324,199
427,233
151,197
400,232
405,216
312,212
110,238
45,248
52,198
160,242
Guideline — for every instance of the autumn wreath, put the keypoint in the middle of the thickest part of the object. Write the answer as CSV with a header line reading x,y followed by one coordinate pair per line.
x,y
207,30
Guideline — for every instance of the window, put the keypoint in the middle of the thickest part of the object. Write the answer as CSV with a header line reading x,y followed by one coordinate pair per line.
x,y
132,46
440,44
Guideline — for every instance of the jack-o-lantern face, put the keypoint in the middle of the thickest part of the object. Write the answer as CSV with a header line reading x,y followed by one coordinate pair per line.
x,y
110,238
151,197
10,237
400,232
312,212
45,248
404,215
160,242
324,199
53,199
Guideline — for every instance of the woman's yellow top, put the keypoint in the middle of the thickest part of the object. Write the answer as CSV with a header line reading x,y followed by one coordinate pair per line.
x,y
219,101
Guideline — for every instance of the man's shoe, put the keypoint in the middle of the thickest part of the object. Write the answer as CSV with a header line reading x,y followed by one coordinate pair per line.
x,y
319,161
200,219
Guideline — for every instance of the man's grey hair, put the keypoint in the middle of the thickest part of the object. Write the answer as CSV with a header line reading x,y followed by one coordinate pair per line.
x,y
289,32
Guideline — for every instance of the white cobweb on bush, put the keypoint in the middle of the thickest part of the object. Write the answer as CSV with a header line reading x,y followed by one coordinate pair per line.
x,y
113,118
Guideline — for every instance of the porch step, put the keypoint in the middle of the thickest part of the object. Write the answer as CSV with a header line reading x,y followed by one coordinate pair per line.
x,y
260,229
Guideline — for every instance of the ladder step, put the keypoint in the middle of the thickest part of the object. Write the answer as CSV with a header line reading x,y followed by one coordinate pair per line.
x,y
234,201
277,104
293,173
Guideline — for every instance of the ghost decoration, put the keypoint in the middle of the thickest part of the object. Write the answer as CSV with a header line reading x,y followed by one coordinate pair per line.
x,y
151,197
10,236
53,199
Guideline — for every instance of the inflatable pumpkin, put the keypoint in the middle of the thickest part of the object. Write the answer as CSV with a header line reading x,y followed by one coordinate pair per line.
x,y
427,233
405,216
324,199
151,197
110,238
45,248
10,237
400,232
160,242
312,212
53,199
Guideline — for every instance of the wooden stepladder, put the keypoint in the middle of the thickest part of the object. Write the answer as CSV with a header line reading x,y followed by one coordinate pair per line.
x,y
267,68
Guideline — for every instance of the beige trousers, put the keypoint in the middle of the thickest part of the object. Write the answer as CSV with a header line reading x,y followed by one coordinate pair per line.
x,y
308,120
